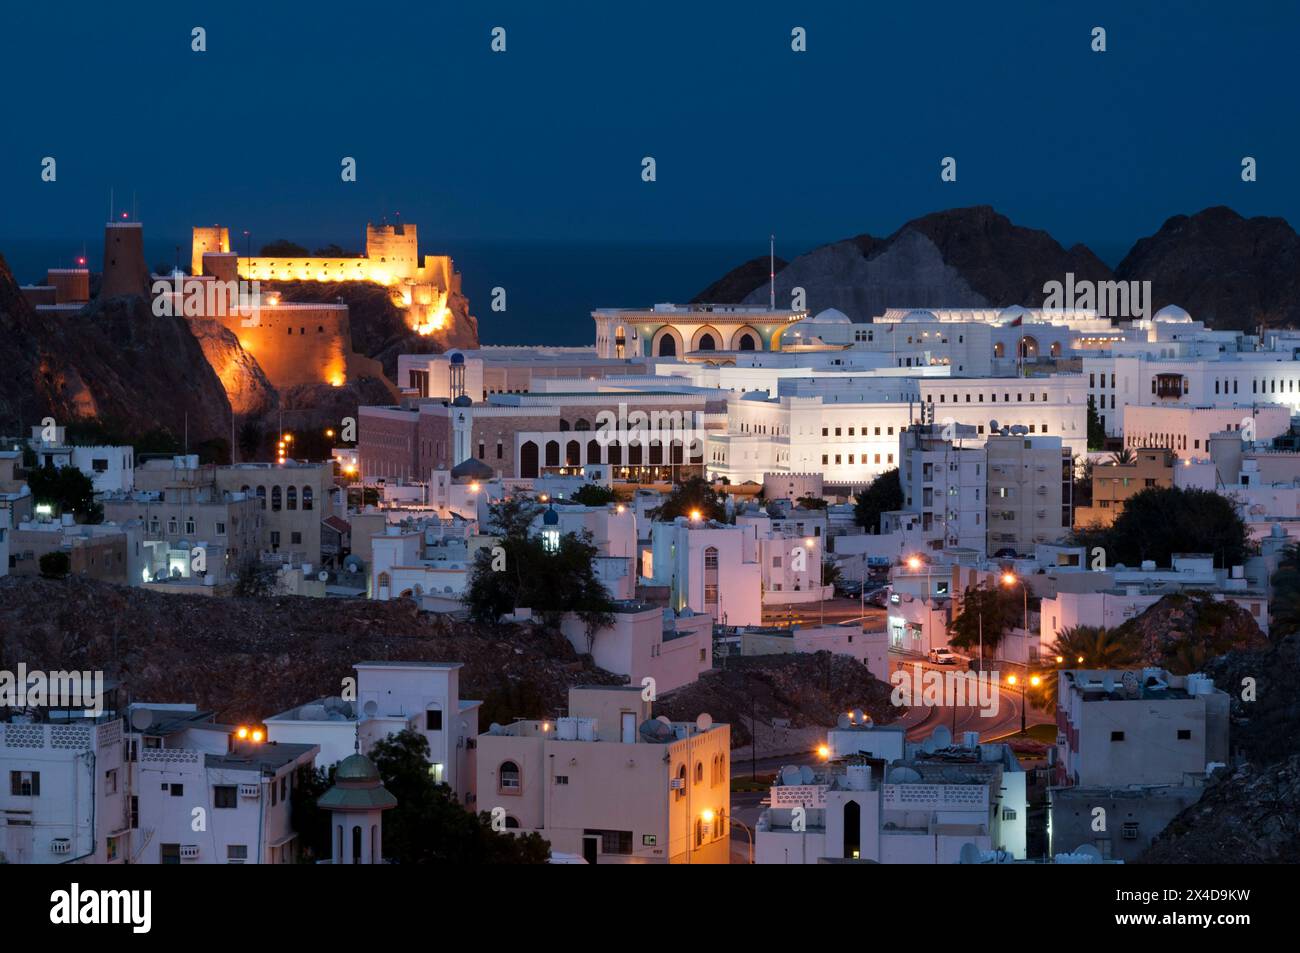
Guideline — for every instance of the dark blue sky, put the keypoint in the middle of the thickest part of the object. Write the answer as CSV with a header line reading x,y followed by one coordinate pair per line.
x,y
545,140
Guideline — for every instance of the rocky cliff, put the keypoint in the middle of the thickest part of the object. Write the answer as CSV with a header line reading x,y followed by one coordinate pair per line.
x,y
1230,271
114,361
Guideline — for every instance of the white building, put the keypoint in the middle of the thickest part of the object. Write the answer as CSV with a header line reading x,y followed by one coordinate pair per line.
x,y
648,642
110,469
922,808
391,697
1138,727
712,568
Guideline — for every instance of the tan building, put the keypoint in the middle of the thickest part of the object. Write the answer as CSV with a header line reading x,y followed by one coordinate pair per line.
x,y
611,784
98,551
1114,483
192,514
293,497
1030,491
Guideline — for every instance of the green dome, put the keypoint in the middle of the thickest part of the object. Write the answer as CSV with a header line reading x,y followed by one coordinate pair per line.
x,y
356,767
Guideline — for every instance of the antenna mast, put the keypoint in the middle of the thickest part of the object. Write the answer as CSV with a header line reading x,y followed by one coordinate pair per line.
x,y
771,277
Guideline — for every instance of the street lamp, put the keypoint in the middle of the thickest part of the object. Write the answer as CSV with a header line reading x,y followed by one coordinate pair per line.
x,y
1009,579
1013,680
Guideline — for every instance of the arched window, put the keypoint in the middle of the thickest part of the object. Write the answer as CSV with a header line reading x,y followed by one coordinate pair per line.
x,y
999,349
291,496
374,843
707,343
261,496
528,460
747,342
593,451
572,454
275,499
564,424
385,580
582,424
552,453
699,772
681,782
667,346
512,823
356,843
306,497
508,778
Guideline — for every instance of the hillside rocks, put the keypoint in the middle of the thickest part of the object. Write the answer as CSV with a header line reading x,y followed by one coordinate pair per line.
x,y
246,659
1229,271
247,388
971,257
809,689
379,328
1183,632
114,360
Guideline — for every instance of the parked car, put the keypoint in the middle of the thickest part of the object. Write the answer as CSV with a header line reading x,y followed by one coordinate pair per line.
x,y
942,657
849,588
878,597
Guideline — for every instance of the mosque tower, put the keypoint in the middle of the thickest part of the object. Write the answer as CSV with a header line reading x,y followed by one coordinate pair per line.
x,y
356,804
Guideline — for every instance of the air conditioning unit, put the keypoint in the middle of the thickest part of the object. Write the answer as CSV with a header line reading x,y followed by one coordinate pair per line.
x,y
250,790
61,845
189,851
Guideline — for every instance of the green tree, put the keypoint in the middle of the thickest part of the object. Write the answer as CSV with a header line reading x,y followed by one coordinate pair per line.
x,y
831,573
1123,458
429,825
1284,607
1085,646
812,502
1096,432
67,489
1083,482
989,609
283,248
310,823
1161,521
522,573
55,565
883,495
693,495
593,494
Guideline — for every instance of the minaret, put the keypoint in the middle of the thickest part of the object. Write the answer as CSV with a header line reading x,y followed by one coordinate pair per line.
x,y
356,804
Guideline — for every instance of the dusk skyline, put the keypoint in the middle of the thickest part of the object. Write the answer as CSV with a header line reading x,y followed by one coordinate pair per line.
x,y
545,141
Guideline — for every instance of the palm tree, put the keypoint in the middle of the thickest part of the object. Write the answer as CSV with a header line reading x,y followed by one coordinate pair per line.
x,y
1085,646
1123,457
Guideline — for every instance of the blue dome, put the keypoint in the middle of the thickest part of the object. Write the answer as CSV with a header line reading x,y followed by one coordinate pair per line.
x,y
458,358
550,517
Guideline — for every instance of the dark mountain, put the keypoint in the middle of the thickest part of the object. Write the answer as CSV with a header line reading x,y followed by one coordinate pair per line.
x,y
114,361
1229,271
735,284
969,257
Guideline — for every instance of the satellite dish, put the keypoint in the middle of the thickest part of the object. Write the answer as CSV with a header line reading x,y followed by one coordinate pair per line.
x,y
704,722
970,854
1108,684
1089,851
858,717
807,774
1130,681
942,737
993,426
791,775
141,719
928,746
371,708
322,575
904,775
844,721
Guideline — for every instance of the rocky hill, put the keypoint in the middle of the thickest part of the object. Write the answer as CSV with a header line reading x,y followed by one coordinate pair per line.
x,y
1228,271
1248,813
249,658
1231,271
114,360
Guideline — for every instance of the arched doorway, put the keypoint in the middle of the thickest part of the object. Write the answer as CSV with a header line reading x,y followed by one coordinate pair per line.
x,y
852,830
552,453
528,460
746,342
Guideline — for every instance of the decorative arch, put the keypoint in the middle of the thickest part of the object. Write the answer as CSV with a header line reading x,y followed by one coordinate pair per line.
x,y
573,454
528,460
667,342
707,338
593,452
746,338
552,453
1055,349
999,350
1028,347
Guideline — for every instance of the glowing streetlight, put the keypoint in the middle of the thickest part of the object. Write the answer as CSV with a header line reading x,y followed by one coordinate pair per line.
x,y
823,752
1059,659
473,487
914,563
695,516
241,732
707,815
257,736
329,432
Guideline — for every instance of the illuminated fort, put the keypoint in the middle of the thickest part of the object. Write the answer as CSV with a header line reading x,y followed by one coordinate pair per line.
x,y
392,259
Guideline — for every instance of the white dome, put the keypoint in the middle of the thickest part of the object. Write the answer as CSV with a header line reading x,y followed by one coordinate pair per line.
x,y
1172,314
831,316
918,315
